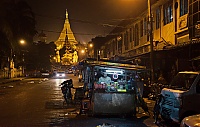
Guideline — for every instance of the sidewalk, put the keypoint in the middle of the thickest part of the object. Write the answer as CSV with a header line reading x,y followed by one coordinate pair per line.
x,y
4,81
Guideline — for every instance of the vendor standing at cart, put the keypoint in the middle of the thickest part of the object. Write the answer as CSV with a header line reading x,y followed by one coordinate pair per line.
x,y
105,79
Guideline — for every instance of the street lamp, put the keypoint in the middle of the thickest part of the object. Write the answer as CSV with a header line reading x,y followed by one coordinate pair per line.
x,y
90,49
22,42
90,45
82,51
150,25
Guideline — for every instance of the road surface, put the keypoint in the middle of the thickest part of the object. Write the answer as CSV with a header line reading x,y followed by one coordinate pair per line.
x,y
39,102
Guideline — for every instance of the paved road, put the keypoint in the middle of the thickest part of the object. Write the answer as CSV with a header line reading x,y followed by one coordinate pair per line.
x,y
39,102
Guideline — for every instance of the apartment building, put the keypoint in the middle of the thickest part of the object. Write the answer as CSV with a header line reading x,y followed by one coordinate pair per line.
x,y
173,45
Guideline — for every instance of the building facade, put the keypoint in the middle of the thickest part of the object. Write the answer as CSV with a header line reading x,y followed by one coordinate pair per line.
x,y
172,45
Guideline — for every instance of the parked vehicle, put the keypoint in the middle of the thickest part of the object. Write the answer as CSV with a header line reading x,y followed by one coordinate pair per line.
x,y
69,71
191,121
45,73
66,90
155,90
181,99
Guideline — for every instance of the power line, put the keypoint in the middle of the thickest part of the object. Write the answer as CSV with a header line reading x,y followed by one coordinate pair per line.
x,y
89,22
51,31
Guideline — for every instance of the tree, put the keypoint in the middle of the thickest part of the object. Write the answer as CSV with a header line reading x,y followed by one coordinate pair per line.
x,y
16,21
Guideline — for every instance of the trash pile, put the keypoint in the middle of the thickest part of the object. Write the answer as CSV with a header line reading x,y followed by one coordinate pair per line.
x,y
106,125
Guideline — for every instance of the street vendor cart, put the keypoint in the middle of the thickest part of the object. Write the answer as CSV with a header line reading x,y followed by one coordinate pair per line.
x,y
110,87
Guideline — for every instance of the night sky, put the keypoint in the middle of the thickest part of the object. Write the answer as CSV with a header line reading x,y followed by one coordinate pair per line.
x,y
86,16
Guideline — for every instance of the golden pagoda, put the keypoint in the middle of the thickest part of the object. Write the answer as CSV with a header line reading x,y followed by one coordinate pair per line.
x,y
68,40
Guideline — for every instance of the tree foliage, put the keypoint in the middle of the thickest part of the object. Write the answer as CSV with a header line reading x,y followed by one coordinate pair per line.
x,y
17,21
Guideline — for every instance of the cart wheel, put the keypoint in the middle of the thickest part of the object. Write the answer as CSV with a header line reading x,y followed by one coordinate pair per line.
x,y
134,112
90,113
168,120
128,115
81,112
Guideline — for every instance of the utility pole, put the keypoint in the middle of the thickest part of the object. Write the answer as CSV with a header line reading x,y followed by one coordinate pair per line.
x,y
151,42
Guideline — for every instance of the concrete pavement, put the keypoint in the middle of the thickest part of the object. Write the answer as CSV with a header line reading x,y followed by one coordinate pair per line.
x,y
4,80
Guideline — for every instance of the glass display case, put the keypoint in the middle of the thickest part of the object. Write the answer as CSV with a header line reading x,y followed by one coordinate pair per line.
x,y
113,80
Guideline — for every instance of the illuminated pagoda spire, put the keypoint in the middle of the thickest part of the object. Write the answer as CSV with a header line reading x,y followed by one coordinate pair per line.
x,y
68,40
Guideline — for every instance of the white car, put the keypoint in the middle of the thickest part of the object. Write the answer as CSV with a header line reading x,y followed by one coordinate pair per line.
x,y
191,121
60,74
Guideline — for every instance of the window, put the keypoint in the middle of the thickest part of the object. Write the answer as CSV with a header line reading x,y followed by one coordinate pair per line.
x,y
183,7
168,13
126,40
158,18
145,26
141,28
136,35
120,44
114,46
131,35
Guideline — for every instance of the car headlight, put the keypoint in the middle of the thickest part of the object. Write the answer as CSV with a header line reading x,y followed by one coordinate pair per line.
x,y
63,74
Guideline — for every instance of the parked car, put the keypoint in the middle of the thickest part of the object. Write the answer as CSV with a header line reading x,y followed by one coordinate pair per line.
x,y
44,73
69,71
191,121
181,97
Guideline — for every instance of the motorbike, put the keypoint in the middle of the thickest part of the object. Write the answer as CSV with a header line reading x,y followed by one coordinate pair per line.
x,y
66,90
155,90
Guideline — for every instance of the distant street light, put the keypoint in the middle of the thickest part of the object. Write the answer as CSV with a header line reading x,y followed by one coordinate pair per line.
x,y
82,51
90,49
22,42
91,45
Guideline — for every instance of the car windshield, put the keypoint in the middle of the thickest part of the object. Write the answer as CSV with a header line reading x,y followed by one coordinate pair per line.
x,y
44,72
60,72
183,81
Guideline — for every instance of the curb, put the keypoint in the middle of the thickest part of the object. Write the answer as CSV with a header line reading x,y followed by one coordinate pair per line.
x,y
10,80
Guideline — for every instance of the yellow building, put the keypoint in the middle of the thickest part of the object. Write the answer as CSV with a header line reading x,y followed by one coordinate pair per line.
x,y
173,49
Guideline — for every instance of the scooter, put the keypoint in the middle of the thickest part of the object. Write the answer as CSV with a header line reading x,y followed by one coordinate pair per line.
x,y
155,91
66,90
